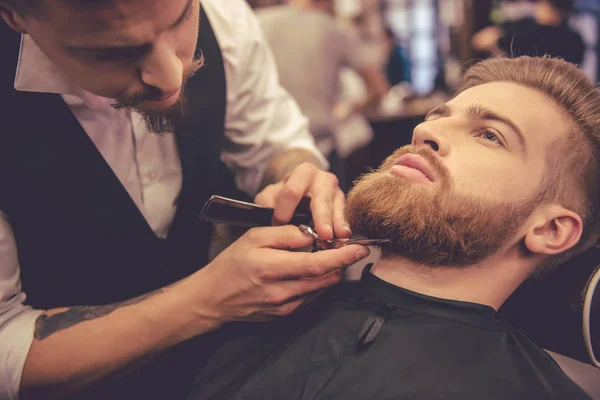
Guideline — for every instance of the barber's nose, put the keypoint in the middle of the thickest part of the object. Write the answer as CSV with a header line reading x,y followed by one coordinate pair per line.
x,y
162,69
426,137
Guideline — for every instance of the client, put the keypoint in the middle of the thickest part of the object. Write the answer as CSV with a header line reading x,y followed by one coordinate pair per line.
x,y
498,185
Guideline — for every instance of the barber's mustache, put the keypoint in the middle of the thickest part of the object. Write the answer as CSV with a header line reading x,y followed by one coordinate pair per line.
x,y
151,93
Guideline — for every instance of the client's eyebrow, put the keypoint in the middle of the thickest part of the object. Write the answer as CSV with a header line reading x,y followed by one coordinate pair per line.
x,y
481,112
124,51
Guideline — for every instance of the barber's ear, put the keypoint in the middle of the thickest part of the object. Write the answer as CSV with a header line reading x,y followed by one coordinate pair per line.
x,y
554,230
12,19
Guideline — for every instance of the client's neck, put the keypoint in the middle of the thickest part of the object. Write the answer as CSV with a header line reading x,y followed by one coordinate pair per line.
x,y
489,283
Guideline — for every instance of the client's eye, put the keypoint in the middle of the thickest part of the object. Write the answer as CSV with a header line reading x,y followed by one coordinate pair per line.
x,y
490,135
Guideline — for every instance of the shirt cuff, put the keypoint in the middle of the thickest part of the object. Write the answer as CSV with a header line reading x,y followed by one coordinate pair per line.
x,y
16,336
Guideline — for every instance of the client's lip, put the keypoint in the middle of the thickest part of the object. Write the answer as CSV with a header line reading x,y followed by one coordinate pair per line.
x,y
416,163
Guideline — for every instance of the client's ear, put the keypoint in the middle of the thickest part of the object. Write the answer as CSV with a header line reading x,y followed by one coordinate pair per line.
x,y
554,229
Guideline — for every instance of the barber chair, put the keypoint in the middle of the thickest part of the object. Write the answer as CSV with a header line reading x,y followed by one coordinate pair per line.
x,y
561,312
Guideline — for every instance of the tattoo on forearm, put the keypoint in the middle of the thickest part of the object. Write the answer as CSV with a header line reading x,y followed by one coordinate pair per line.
x,y
47,325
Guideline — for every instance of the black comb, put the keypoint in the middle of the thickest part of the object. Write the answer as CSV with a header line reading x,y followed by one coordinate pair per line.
x,y
222,210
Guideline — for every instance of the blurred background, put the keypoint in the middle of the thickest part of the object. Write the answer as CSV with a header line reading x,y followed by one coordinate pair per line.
x,y
419,47
365,73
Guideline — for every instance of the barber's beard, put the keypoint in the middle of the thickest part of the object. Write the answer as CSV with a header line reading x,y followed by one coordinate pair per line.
x,y
161,121
431,224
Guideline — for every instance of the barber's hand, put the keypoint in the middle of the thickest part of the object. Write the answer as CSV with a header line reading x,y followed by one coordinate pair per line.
x,y
326,200
257,279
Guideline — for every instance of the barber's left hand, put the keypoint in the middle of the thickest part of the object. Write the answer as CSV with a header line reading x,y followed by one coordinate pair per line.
x,y
326,200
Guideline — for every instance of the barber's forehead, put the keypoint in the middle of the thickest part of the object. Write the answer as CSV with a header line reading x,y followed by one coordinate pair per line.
x,y
88,17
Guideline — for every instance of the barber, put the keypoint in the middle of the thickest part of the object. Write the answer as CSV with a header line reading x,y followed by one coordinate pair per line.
x,y
105,163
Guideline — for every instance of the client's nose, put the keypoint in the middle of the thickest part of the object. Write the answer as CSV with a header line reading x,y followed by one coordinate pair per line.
x,y
425,138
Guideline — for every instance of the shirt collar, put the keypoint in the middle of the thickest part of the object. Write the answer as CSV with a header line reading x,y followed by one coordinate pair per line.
x,y
37,73
398,297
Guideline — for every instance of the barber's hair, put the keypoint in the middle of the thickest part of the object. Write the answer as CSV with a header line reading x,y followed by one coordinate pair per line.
x,y
33,7
572,176
22,7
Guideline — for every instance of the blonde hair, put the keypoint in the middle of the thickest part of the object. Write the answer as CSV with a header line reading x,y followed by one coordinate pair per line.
x,y
572,176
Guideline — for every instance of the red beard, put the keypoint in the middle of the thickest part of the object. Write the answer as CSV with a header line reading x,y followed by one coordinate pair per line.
x,y
430,224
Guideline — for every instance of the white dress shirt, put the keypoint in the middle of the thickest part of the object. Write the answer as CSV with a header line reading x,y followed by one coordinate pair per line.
x,y
261,119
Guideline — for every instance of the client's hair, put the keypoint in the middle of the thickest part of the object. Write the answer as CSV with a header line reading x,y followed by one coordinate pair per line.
x,y
572,176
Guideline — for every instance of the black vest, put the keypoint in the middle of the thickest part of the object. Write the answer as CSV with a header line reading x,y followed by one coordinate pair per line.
x,y
81,239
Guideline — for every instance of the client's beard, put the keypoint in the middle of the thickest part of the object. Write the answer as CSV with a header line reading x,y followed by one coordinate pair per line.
x,y
431,225
161,121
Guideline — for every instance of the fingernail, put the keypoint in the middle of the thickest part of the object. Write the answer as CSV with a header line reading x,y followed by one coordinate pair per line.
x,y
348,231
329,229
362,253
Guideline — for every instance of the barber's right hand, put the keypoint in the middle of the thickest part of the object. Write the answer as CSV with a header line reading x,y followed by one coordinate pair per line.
x,y
257,278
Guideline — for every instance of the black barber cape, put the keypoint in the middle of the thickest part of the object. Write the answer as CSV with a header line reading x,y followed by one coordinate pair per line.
x,y
374,340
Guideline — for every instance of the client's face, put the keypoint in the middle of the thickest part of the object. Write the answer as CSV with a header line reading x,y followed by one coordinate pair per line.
x,y
469,181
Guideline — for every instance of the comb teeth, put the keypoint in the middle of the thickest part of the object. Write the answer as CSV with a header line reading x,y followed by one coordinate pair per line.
x,y
233,212
218,220
298,219
212,220
221,210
